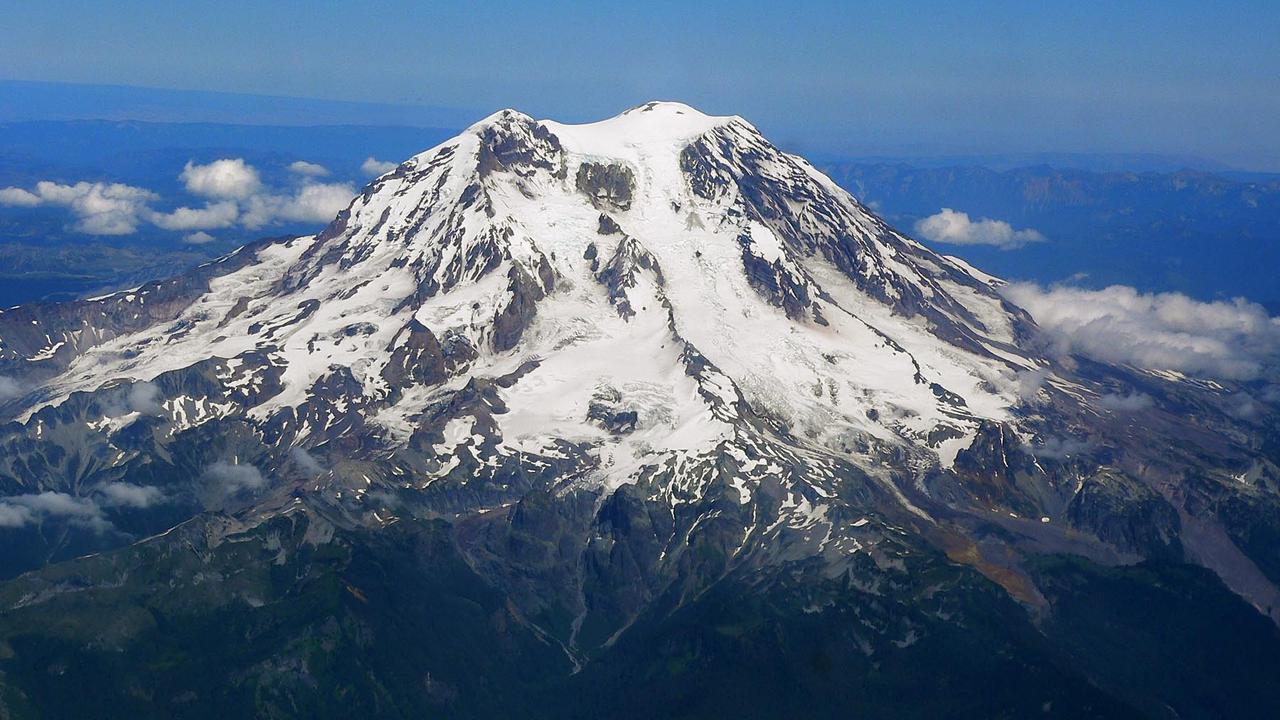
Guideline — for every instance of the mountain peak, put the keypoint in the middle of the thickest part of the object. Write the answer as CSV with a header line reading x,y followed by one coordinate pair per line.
x,y
660,122
665,106
506,116
653,125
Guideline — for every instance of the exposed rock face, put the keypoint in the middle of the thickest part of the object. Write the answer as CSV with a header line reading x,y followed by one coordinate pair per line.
x,y
623,272
607,226
1127,514
510,142
609,186
518,313
607,409
773,280
646,398
417,358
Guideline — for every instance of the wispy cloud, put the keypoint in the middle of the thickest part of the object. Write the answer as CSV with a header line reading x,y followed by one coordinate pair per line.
x,y
120,494
1235,340
1122,403
956,228
1028,384
21,510
305,461
1061,448
225,480
9,388
18,511
144,397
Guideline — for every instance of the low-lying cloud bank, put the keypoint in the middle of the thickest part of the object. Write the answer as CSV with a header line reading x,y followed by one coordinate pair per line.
x,y
313,202
21,510
1231,340
233,194
99,208
956,228
18,511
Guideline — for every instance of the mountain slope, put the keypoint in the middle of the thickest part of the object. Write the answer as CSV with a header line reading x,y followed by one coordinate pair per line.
x,y
615,376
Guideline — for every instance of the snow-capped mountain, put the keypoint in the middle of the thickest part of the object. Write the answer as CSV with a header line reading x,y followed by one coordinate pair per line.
x,y
625,363
614,257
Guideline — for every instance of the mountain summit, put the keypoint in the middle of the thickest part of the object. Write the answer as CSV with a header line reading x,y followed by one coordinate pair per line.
x,y
549,404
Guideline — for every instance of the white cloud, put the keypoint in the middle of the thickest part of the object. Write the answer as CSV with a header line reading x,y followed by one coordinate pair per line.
x,y
305,462
374,166
318,202
955,228
1059,448
121,494
20,510
1235,340
235,186
17,197
101,208
144,397
1131,402
15,516
1029,383
9,388
212,215
227,479
302,167
228,178
260,210
315,202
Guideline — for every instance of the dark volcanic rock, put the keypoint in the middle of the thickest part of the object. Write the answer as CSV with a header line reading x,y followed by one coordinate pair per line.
x,y
417,357
609,186
1127,514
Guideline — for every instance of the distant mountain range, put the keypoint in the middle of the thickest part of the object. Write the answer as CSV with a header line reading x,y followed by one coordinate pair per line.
x,y
22,101
1204,234
1094,162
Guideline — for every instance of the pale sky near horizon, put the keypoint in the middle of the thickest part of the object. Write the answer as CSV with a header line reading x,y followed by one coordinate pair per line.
x,y
1186,78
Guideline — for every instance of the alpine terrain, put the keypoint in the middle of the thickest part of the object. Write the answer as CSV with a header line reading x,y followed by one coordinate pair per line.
x,y
638,418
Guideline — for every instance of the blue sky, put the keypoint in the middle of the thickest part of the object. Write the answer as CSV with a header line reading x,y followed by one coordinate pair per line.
x,y
930,77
